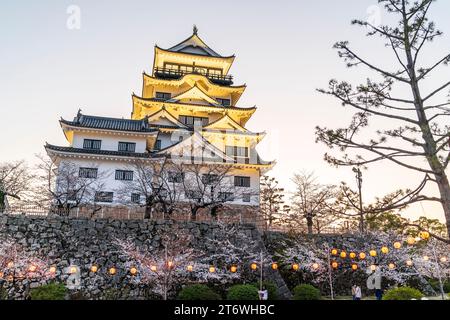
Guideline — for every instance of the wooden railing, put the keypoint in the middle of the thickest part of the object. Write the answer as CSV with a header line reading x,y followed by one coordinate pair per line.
x,y
175,74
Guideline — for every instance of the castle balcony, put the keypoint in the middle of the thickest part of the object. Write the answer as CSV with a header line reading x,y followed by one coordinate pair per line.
x,y
167,73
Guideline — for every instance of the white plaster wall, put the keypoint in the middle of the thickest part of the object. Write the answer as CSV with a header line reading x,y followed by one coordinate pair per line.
x,y
109,142
106,174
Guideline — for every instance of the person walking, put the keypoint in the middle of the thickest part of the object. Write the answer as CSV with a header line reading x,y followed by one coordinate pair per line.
x,y
353,292
379,294
358,293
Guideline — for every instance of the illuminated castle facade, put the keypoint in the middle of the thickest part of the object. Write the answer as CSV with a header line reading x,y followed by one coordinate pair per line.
x,y
188,109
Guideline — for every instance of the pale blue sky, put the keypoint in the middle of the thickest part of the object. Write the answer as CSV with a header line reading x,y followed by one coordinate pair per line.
x,y
283,51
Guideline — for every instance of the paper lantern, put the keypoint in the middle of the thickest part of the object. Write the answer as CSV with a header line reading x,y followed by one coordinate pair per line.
x,y
424,235
112,271
362,256
212,269
1,275
397,245
373,253
153,268
354,266
10,264
410,240
133,271
295,267
315,266
275,266
254,266
373,267
343,255
334,265
385,250
170,264
352,255
334,252
190,268
391,266
73,270
409,263
443,259
233,269
94,268
426,258
32,268
52,269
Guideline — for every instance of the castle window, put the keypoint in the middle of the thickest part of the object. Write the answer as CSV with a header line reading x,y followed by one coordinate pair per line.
x,y
89,173
102,196
224,102
226,196
234,151
191,121
127,146
124,175
157,145
242,182
92,144
193,194
176,177
135,198
210,178
163,95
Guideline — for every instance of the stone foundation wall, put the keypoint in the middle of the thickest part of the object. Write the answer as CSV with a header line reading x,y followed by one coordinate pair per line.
x,y
67,241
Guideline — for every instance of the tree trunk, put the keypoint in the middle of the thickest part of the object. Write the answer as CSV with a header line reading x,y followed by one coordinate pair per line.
x,y
309,223
148,210
444,190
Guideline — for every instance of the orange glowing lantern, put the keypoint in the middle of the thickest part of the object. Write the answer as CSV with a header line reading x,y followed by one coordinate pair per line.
x,y
373,253
424,235
391,266
373,267
112,271
409,263
190,268
352,255
94,268
254,266
397,245
354,266
343,255
385,250
426,258
410,240
334,252
334,264
32,268
170,264
73,270
153,268
10,264
52,269
443,259
212,269
233,269
275,266
295,267
362,256
133,271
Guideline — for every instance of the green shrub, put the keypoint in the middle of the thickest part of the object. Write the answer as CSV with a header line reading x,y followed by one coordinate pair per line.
x,y
306,292
402,293
243,292
198,292
271,288
51,291
3,294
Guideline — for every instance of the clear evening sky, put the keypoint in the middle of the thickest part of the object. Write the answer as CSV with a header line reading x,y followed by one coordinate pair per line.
x,y
283,53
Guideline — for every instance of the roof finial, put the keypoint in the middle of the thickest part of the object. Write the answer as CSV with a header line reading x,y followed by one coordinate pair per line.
x,y
195,30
